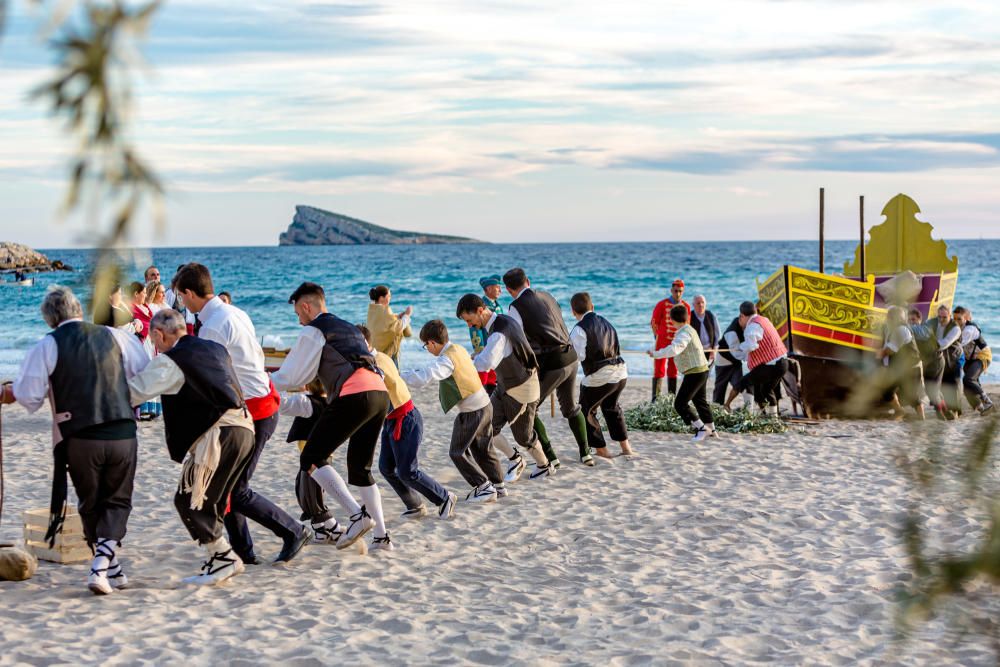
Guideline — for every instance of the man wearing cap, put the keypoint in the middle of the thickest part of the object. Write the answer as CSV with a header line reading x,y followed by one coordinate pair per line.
x,y
664,330
491,298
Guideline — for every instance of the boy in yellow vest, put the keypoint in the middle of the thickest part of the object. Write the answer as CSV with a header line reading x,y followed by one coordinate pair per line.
x,y
459,386
401,436
689,355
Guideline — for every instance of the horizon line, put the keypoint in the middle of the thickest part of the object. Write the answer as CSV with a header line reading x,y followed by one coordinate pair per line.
x,y
360,245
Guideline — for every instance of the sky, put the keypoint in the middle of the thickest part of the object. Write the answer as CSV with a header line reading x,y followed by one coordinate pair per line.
x,y
541,121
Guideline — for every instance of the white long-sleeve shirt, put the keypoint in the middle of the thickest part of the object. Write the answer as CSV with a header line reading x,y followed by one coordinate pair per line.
x,y
512,308
731,341
497,348
302,363
681,340
296,405
230,327
610,374
442,369
970,332
161,376
32,384
946,339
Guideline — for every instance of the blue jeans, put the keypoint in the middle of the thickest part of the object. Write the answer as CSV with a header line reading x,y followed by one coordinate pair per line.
x,y
245,503
398,463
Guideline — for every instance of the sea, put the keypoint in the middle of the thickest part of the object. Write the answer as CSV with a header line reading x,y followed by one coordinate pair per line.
x,y
625,280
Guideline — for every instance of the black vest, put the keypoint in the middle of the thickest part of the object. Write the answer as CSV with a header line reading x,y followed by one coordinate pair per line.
x,y
515,369
953,352
734,327
210,389
303,426
88,382
345,352
545,329
602,343
711,326
975,345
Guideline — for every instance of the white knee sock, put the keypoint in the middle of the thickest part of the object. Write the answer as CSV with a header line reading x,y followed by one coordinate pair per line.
x,y
501,443
538,455
697,423
335,486
373,505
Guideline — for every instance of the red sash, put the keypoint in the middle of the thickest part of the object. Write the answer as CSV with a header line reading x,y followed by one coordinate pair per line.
x,y
488,377
397,416
264,406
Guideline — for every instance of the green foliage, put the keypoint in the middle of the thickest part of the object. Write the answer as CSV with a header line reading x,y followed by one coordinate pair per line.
x,y
942,566
94,47
661,416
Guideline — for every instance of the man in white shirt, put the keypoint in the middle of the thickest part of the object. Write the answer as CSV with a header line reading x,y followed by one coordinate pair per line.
x,y
949,336
605,375
230,327
207,429
82,368
507,354
978,356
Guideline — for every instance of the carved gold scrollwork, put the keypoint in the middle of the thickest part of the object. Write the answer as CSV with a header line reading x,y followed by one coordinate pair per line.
x,y
772,290
842,316
777,312
859,293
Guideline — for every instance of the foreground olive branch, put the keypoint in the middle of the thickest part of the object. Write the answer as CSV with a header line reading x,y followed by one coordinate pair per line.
x,y
90,92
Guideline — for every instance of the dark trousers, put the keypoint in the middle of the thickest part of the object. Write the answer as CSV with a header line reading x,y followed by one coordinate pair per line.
x,y
521,417
693,389
206,524
974,393
562,381
726,377
245,503
472,449
766,380
355,419
933,372
397,461
103,472
950,381
604,398
310,497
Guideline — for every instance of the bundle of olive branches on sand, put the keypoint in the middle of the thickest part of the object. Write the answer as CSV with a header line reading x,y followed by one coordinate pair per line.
x,y
661,416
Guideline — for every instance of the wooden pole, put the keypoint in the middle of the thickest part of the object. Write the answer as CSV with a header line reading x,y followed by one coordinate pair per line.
x,y
822,266
552,404
861,219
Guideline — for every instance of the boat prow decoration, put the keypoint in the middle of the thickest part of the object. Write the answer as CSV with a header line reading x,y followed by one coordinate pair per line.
x,y
832,324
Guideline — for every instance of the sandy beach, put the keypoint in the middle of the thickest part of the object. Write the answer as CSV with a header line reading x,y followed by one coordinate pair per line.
x,y
781,549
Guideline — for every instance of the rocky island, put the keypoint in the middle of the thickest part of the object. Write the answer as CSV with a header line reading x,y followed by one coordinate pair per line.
x,y
20,258
314,226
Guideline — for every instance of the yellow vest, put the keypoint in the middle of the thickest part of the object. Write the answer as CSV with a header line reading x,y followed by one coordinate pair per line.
x,y
399,393
464,381
387,329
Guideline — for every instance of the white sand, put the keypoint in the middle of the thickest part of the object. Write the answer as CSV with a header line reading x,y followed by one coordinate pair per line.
x,y
776,549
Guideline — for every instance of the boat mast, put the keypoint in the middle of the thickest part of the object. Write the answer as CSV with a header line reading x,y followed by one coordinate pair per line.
x,y
861,220
821,239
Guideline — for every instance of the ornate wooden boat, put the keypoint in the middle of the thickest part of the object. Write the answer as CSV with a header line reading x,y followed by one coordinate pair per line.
x,y
273,358
832,324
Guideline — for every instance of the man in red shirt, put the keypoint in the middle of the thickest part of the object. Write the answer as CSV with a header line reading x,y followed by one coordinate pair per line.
x,y
664,330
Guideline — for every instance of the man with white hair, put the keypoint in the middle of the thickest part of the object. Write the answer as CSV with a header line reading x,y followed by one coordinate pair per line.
x,y
83,369
207,428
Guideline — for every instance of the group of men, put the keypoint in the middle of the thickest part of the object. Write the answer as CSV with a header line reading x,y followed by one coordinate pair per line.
x,y
931,359
750,338
221,406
